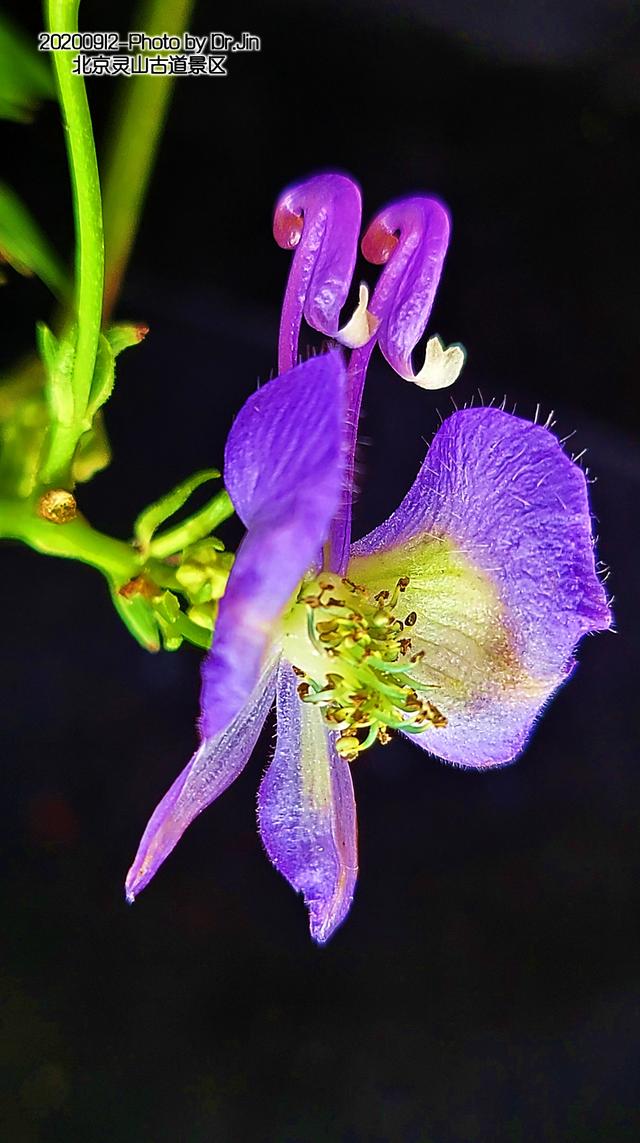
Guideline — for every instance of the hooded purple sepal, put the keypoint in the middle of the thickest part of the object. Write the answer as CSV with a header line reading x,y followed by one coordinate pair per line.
x,y
215,765
319,219
307,812
495,534
283,470
410,237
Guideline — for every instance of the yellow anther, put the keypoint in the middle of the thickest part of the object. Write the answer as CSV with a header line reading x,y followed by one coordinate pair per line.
x,y
347,746
355,665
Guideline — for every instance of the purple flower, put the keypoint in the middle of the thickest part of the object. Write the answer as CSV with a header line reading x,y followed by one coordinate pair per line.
x,y
452,623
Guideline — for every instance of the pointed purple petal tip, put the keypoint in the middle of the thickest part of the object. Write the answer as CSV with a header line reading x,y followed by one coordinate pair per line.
x,y
214,766
307,812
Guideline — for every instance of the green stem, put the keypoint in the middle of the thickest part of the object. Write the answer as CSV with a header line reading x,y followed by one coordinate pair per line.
x,y
83,165
75,540
195,528
138,120
62,16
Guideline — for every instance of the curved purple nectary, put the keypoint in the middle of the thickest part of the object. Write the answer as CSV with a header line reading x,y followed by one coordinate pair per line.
x,y
319,219
497,518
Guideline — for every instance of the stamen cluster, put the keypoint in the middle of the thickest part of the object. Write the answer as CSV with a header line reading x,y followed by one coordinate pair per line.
x,y
371,690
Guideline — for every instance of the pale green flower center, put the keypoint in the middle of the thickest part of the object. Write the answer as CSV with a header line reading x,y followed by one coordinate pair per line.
x,y
353,654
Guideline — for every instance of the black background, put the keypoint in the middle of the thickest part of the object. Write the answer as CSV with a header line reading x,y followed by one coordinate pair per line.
x,y
485,987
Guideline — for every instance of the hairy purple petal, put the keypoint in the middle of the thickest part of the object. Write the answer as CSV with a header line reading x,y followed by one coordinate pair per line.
x,y
307,811
283,470
319,218
410,237
496,535
214,766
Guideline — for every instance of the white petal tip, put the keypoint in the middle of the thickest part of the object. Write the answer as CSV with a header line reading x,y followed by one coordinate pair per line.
x,y
442,366
361,326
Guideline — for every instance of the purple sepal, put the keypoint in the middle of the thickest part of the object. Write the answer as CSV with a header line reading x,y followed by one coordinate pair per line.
x,y
307,811
410,237
283,470
504,493
319,219
214,766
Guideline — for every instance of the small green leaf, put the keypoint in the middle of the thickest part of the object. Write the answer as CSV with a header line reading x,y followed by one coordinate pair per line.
x,y
24,246
137,614
155,515
112,343
57,357
48,346
104,375
123,335
25,75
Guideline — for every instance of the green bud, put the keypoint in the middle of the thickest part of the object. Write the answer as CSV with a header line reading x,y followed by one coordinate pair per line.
x,y
93,452
137,614
204,614
167,612
204,572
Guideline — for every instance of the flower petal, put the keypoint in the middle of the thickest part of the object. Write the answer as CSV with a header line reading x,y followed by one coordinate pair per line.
x,y
283,470
495,535
320,219
214,766
411,237
307,811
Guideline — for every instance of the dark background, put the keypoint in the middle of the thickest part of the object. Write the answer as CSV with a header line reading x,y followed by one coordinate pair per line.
x,y
485,986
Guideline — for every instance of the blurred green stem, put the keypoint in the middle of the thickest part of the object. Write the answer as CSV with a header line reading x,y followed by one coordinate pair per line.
x,y
77,540
138,120
62,16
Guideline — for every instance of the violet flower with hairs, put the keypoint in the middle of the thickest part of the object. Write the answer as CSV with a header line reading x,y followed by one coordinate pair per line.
x,y
452,623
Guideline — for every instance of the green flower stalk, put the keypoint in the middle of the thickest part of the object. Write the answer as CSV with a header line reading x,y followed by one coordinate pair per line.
x,y
69,395
166,582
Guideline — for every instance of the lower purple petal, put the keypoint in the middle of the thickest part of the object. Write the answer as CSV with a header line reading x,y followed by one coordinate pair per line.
x,y
307,811
214,766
